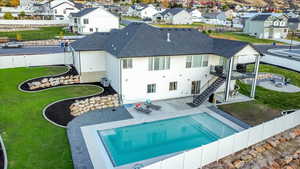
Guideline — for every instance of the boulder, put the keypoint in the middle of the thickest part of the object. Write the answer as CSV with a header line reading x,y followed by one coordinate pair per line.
x,y
288,159
238,163
45,80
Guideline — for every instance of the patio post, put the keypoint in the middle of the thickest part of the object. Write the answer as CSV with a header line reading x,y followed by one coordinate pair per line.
x,y
254,81
228,78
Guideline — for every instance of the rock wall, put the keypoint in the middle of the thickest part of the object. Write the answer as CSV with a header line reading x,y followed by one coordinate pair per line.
x,y
52,82
279,152
93,103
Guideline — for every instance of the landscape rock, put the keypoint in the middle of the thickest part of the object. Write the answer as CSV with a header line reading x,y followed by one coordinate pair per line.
x,y
52,82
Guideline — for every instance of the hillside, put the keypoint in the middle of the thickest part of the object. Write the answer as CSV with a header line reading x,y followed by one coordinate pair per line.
x,y
263,3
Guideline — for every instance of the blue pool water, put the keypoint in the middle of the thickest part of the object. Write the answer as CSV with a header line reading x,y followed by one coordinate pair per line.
x,y
148,140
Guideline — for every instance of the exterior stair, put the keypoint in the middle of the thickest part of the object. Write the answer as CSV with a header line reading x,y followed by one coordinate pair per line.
x,y
199,99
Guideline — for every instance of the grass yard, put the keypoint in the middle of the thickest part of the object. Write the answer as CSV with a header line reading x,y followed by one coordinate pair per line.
x,y
31,141
131,18
241,37
41,34
268,103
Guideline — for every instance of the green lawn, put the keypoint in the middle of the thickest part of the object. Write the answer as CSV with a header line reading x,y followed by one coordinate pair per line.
x,y
241,37
41,34
268,103
31,141
131,18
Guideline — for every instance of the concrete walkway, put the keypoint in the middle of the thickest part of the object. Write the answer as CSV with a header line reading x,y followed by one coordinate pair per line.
x,y
288,41
282,62
287,89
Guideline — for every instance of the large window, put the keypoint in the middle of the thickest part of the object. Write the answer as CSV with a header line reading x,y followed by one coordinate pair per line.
x,y
151,88
159,63
196,61
127,63
85,21
173,86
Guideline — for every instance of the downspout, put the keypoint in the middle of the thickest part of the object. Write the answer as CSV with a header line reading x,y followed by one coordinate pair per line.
x,y
120,87
79,63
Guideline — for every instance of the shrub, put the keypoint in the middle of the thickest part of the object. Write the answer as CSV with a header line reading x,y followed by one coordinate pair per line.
x,y
8,15
18,37
209,31
61,35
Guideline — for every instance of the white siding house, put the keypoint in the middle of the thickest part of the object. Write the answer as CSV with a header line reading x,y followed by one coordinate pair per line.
x,y
141,64
267,26
91,20
61,9
174,16
148,12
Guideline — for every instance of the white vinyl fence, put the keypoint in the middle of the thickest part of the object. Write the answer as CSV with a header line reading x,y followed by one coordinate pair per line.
x,y
201,156
35,60
33,22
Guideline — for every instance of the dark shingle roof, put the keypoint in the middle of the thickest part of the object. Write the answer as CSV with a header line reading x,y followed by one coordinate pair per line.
x,y
261,17
83,12
91,42
294,20
142,40
173,11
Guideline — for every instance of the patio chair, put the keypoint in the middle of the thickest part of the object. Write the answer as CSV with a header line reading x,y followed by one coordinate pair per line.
x,y
139,108
152,106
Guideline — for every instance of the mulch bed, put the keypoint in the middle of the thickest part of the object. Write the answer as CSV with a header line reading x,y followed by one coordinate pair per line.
x,y
1,158
24,86
59,112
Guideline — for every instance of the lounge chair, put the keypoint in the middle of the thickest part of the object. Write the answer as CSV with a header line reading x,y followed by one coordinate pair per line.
x,y
139,108
152,106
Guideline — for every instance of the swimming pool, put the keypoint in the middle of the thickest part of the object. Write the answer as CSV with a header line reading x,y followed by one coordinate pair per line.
x,y
148,140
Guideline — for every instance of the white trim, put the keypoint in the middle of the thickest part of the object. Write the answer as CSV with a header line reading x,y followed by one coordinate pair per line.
x,y
4,153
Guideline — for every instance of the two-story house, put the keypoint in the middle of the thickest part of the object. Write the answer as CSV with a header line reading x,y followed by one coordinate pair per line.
x,y
267,26
61,9
90,20
174,16
144,62
215,18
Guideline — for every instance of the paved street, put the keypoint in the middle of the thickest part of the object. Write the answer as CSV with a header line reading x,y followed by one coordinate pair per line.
x,y
31,50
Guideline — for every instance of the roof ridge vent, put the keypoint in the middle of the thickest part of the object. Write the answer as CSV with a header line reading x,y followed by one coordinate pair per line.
x,y
168,37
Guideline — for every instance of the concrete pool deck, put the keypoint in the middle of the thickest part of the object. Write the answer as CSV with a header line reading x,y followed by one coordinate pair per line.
x,y
98,155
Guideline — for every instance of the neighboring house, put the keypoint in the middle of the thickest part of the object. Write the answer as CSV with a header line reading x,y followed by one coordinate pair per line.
x,y
90,20
174,16
230,14
196,15
144,62
215,18
63,8
148,12
134,10
294,24
267,26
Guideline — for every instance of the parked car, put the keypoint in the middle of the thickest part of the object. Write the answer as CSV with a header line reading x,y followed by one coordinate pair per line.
x,y
12,45
286,112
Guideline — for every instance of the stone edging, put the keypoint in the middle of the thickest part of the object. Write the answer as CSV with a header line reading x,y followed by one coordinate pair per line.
x,y
4,153
45,108
19,86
